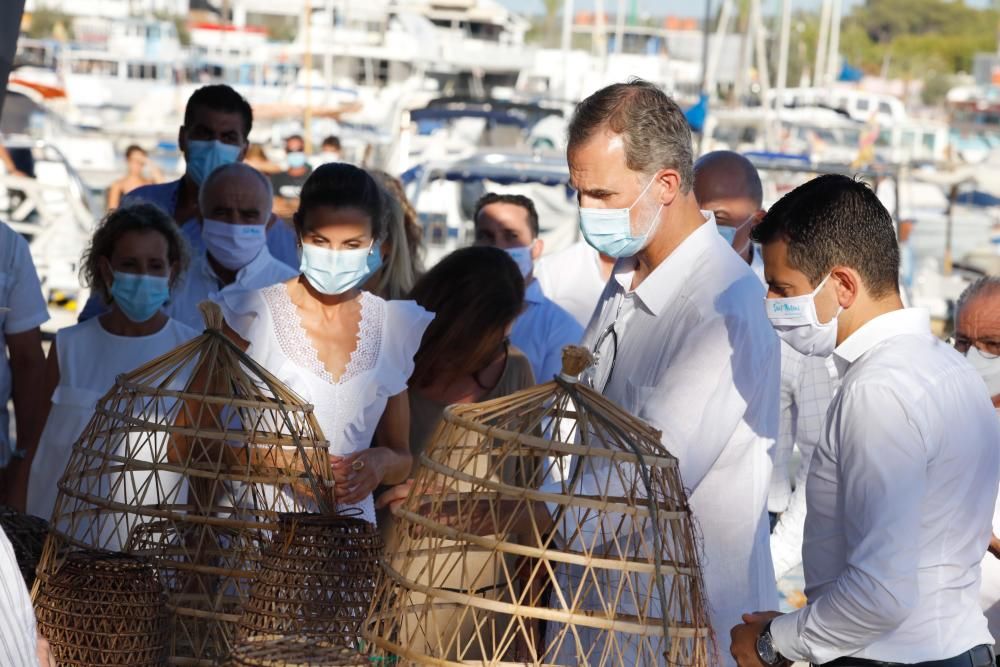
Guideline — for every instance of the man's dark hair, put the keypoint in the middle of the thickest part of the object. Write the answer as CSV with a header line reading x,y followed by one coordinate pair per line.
x,y
331,142
516,200
655,132
835,220
220,97
294,137
134,148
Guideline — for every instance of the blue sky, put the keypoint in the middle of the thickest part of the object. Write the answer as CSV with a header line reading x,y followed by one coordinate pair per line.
x,y
679,7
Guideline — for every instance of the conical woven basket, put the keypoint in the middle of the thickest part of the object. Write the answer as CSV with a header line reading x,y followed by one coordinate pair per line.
x,y
294,651
545,527
103,609
316,579
27,535
189,461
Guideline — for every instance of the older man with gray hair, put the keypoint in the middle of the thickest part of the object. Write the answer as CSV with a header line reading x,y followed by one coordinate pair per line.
x,y
977,336
681,338
235,206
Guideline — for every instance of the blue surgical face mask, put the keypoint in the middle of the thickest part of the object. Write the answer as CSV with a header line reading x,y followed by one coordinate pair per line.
x,y
336,271
609,230
233,246
296,159
138,295
204,157
522,257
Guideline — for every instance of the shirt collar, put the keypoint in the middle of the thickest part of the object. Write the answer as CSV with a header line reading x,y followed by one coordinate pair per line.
x,y
877,330
533,292
667,279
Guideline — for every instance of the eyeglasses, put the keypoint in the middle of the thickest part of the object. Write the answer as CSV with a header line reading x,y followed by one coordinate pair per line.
x,y
599,374
990,347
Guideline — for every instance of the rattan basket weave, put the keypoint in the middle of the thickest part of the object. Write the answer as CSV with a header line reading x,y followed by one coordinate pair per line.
x,y
189,461
27,535
294,651
103,609
545,527
317,578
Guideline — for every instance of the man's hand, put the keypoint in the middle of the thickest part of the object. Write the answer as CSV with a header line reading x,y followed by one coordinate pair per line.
x,y
994,547
744,638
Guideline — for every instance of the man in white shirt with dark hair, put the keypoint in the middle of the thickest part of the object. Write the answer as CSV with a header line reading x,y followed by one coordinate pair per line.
x,y
235,204
728,184
903,482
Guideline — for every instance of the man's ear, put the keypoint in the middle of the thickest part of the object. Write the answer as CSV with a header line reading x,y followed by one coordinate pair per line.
x,y
537,248
181,139
669,181
848,285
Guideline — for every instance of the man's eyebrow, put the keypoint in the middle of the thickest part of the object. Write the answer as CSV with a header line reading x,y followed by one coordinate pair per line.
x,y
597,193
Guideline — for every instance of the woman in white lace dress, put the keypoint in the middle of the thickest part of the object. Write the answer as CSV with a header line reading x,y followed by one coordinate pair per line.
x,y
347,352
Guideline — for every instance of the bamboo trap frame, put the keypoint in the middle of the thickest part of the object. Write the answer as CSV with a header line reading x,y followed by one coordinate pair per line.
x,y
316,579
102,609
27,535
547,527
294,651
189,461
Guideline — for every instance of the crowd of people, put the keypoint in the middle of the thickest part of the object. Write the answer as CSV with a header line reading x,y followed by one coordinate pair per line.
x,y
741,334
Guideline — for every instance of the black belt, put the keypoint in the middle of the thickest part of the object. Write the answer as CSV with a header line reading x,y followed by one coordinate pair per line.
x,y
980,656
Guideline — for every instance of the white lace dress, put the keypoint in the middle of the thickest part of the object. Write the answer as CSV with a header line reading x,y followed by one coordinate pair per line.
x,y
348,410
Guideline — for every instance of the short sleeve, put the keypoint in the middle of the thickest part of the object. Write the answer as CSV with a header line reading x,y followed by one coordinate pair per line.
x,y
248,315
404,327
23,292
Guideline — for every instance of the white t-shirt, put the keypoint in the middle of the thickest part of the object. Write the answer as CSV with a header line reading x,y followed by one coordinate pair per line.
x,y
22,308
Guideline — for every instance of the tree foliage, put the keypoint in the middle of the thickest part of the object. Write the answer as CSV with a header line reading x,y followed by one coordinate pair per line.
x,y
44,21
904,38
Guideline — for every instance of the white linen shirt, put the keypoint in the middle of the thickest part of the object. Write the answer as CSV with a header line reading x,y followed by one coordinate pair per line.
x,y
572,279
698,360
200,283
18,638
21,296
541,332
900,494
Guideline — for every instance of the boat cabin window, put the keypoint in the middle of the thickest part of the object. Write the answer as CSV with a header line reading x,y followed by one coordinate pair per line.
x,y
884,107
94,66
863,104
930,140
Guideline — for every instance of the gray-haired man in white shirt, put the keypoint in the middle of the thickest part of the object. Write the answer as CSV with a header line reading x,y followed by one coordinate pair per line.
x,y
902,484
681,340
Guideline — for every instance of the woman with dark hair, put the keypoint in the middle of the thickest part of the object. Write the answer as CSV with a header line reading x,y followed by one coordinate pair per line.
x,y
133,261
476,294
346,351
465,357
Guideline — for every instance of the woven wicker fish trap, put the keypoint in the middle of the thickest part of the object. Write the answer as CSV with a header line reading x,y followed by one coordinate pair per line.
x,y
189,461
294,651
545,527
315,579
103,609
27,535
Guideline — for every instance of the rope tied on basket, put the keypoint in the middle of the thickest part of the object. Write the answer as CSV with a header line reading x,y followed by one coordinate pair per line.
x,y
575,360
214,323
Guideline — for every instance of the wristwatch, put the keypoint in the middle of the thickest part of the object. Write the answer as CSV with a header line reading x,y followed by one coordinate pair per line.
x,y
765,648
